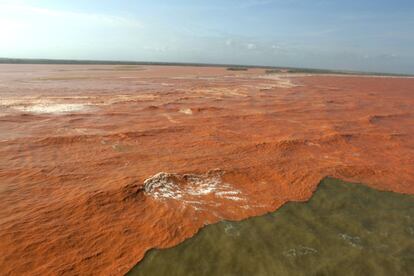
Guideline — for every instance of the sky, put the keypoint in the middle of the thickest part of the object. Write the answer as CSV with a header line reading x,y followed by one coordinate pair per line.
x,y
368,35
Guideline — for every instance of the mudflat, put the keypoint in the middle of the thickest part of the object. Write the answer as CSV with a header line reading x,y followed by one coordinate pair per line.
x,y
100,163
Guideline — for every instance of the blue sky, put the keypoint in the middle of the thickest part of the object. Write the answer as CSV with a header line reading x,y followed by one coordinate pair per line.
x,y
357,35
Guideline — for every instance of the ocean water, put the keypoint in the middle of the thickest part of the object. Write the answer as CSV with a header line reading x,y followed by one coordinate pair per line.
x,y
345,229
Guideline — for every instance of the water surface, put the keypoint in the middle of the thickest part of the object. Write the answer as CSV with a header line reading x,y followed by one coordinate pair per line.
x,y
345,229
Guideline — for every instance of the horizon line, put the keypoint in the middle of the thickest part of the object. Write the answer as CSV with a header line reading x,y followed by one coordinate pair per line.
x,y
8,60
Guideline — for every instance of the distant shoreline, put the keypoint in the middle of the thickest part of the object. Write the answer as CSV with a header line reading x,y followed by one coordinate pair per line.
x,y
118,62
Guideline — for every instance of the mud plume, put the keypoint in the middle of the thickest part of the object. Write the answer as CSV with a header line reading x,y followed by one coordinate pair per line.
x,y
98,165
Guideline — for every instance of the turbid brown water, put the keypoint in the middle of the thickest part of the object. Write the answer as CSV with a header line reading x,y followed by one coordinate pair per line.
x,y
99,164
344,229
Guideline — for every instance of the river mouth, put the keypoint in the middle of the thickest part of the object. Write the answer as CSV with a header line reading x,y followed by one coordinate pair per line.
x,y
344,229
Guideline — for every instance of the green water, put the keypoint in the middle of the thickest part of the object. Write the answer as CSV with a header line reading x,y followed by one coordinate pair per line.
x,y
345,229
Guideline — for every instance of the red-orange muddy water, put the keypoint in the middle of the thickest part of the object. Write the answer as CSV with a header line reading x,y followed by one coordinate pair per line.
x,y
101,163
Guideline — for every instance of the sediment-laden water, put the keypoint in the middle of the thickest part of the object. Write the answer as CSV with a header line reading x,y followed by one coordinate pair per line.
x,y
345,229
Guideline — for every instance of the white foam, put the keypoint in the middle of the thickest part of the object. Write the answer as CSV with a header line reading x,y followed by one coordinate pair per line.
x,y
51,108
235,198
66,104
186,111
228,193
281,82
300,251
194,190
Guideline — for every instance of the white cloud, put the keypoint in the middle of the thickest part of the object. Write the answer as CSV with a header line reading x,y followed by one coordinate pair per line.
x,y
26,13
33,31
10,28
